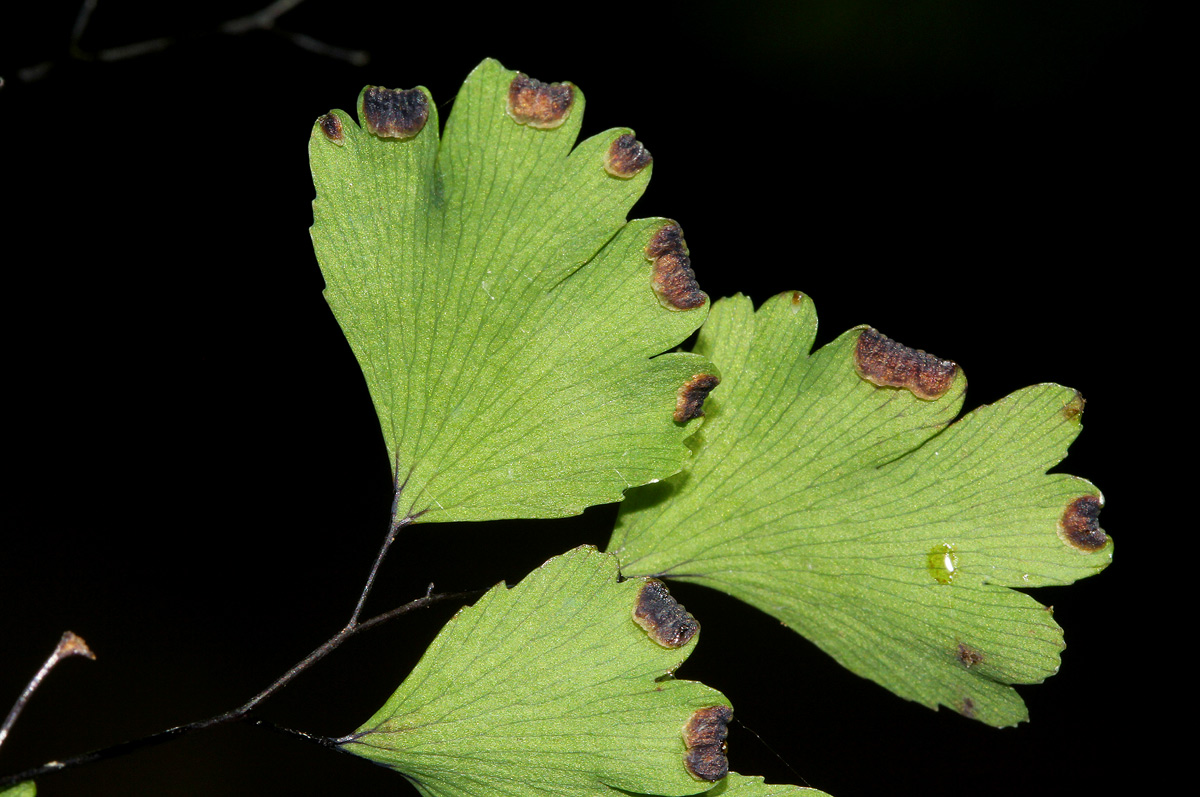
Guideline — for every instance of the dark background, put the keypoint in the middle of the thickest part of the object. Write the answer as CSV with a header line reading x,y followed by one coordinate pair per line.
x,y
197,482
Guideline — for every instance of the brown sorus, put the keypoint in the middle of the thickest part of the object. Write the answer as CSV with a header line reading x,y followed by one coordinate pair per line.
x,y
662,617
1079,525
673,279
537,104
689,402
626,157
331,126
705,735
707,763
394,113
1072,409
884,362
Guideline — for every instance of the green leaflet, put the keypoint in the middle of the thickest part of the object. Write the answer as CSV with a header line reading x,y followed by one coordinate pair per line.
x,y
501,308
857,516
547,688
26,789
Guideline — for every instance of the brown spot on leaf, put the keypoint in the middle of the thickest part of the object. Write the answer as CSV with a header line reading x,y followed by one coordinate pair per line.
x,y
689,403
797,297
331,126
537,104
669,238
967,709
673,279
707,763
662,617
394,113
1073,408
708,726
705,735
1079,525
884,362
968,656
626,157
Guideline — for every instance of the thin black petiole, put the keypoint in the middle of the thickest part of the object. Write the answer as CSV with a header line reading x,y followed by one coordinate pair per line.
x,y
72,644
241,711
323,741
394,525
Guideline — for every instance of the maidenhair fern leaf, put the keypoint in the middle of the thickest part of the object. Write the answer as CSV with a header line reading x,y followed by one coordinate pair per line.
x,y
561,685
831,490
507,318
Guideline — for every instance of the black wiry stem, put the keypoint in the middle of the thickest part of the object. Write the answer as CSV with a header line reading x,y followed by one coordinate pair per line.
x,y
243,710
351,628
394,526
262,20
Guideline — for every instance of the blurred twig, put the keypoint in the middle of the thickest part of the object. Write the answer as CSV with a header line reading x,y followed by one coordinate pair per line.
x,y
262,20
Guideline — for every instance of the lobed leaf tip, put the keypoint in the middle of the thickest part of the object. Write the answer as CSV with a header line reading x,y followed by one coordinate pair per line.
x,y
394,113
705,737
886,363
1079,526
662,617
673,280
626,156
544,106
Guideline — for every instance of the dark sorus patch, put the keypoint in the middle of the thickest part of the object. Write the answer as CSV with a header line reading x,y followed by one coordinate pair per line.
x,y
884,362
662,617
626,157
537,104
394,113
673,279
1079,525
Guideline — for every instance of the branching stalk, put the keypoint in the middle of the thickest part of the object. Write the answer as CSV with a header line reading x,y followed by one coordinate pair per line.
x,y
241,711
73,645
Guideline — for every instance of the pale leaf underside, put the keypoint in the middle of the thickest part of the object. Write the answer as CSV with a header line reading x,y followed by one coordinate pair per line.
x,y
547,688
861,517
501,307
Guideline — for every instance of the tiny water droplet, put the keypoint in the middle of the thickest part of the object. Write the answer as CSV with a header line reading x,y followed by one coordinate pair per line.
x,y
943,563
